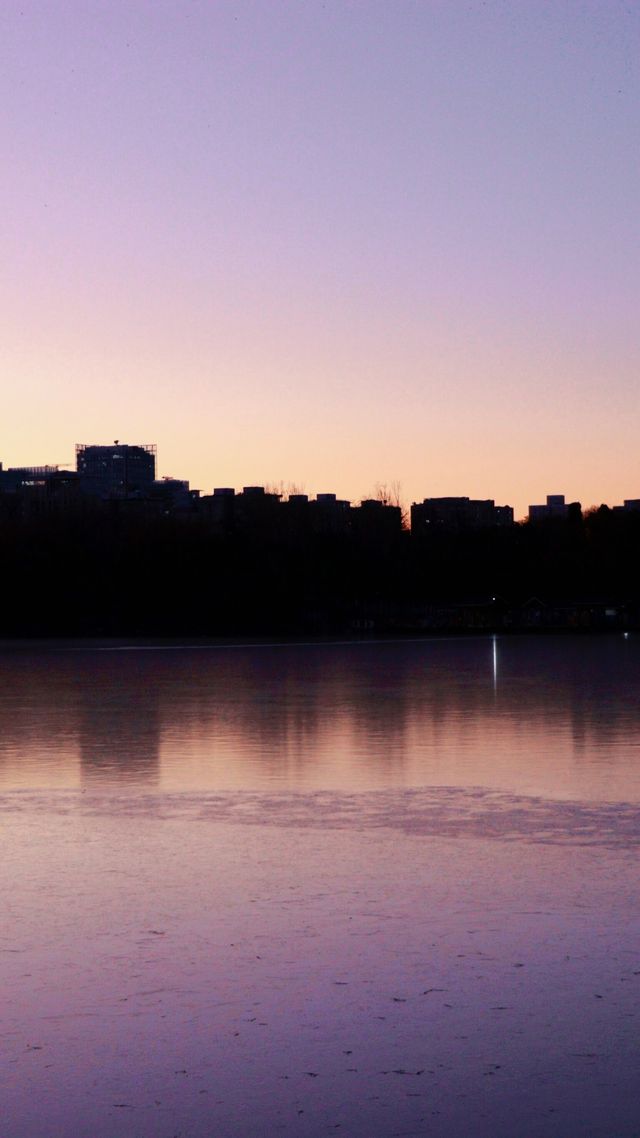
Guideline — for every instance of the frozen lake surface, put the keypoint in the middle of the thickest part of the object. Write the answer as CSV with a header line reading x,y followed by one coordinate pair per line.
x,y
376,889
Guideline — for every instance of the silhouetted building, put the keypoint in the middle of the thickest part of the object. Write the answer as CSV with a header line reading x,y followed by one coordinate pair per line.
x,y
503,515
40,489
219,509
457,514
374,521
18,477
256,511
555,507
630,506
174,495
330,514
116,471
296,516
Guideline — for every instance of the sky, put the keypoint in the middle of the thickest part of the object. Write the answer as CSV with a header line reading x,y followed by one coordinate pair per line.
x,y
329,244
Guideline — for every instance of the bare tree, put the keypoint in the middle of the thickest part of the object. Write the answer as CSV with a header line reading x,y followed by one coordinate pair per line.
x,y
390,494
283,489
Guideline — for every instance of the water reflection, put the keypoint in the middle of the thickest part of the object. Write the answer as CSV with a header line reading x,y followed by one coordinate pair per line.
x,y
118,723
544,716
380,888
494,661
38,719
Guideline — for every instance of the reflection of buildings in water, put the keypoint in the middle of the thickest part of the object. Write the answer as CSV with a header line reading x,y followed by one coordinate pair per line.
x,y
602,698
318,708
307,712
58,707
37,719
546,691
289,711
241,709
118,721
344,706
377,700
584,688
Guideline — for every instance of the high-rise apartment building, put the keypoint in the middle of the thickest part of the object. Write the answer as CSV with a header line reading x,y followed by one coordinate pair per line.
x,y
117,470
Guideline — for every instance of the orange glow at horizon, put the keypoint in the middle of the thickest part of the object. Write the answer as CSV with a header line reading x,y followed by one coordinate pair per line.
x,y
330,247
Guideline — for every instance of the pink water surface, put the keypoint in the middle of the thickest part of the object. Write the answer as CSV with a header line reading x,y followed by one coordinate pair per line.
x,y
376,890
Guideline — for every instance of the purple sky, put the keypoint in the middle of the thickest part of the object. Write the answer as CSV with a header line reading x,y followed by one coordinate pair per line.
x,y
330,243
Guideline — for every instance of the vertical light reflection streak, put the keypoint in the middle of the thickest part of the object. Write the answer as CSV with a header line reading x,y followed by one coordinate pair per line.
x,y
494,639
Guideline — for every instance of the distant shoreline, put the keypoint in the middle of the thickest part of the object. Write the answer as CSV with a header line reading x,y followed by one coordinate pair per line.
x,y
176,644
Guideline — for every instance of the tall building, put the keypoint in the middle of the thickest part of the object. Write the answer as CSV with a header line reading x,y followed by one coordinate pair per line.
x,y
117,470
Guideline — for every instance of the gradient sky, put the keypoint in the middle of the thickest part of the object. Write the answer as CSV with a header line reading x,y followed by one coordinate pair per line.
x,y
329,243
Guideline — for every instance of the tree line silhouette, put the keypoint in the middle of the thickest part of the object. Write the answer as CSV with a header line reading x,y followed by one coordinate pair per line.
x,y
108,572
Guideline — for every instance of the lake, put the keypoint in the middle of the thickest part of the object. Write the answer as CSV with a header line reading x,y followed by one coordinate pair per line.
x,y
377,889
